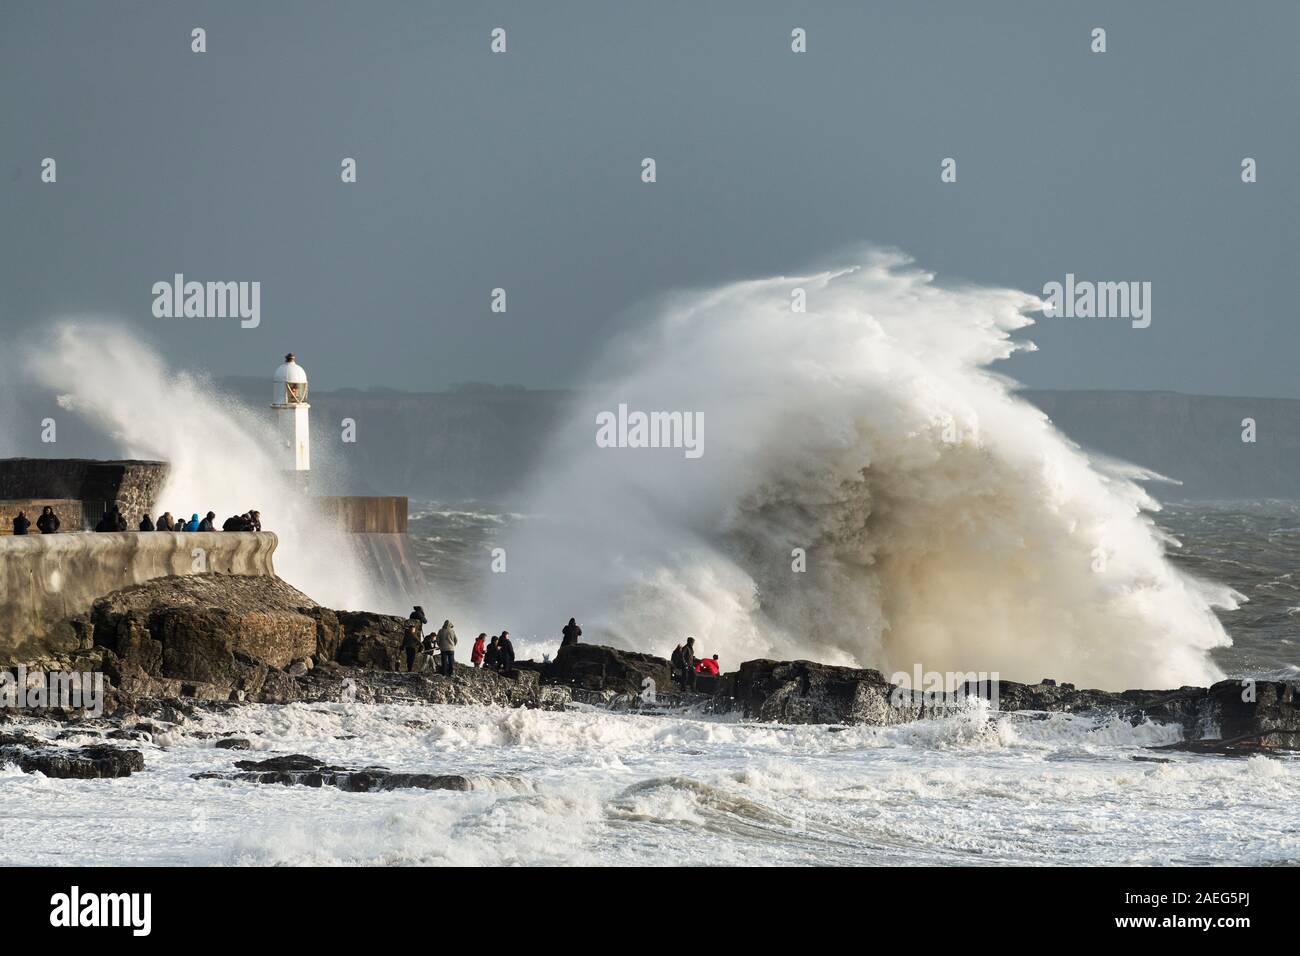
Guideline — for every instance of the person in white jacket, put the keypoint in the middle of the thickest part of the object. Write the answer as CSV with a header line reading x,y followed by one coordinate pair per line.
x,y
447,645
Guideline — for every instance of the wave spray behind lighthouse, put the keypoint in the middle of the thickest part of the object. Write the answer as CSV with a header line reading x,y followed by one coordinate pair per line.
x,y
223,456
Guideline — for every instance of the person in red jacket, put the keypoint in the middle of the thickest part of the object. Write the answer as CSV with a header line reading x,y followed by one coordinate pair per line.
x,y
476,655
708,666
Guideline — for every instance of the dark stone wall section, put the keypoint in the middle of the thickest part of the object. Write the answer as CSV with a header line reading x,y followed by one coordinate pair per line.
x,y
131,485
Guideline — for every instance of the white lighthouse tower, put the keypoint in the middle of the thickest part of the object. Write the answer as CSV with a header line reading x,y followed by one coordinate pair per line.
x,y
290,405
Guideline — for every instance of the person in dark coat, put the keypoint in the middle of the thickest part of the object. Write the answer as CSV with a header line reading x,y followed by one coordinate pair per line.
x,y
48,522
411,638
505,652
688,664
492,654
21,523
146,523
571,633
207,524
255,521
112,521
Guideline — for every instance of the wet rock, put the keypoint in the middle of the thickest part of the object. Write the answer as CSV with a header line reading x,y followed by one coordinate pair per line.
x,y
467,685
592,667
301,770
74,733
710,684
371,640
32,755
1232,716
804,692
130,734
234,743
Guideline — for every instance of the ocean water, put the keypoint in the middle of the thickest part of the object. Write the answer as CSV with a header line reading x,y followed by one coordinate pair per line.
x,y
1253,547
588,786
591,787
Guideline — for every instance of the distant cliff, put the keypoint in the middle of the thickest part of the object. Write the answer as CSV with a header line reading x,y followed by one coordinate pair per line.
x,y
481,441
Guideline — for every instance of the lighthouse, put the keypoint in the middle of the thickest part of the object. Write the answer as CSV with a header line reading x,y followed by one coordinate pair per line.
x,y
290,406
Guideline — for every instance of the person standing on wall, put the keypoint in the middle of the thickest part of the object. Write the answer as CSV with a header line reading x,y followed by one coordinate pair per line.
x,y
48,522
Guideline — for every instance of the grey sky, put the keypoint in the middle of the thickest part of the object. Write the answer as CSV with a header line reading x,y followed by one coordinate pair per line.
x,y
479,170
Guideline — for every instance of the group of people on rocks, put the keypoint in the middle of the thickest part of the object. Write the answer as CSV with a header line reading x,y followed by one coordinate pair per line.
x,y
438,648
114,520
686,665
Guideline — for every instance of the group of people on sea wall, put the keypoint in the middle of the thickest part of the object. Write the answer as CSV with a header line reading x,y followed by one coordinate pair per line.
x,y
47,522
437,649
686,665
250,520
114,520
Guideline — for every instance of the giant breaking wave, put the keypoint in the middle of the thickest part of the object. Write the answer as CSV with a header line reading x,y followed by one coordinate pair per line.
x,y
943,520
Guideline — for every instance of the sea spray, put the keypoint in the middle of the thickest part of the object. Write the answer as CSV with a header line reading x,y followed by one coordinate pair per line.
x,y
222,456
872,494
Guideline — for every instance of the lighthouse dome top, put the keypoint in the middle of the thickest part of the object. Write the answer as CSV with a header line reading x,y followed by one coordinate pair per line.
x,y
290,383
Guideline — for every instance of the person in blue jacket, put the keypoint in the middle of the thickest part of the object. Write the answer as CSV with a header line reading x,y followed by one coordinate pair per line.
x,y
193,523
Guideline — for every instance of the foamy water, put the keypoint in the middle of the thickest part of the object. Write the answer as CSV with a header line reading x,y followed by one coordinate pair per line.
x,y
593,787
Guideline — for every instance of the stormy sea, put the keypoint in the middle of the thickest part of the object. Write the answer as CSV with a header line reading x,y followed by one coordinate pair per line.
x,y
591,786
869,494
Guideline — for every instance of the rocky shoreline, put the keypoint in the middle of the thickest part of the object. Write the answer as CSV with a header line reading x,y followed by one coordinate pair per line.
x,y
173,646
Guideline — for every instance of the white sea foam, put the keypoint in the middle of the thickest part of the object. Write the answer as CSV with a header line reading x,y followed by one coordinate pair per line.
x,y
222,455
944,520
589,786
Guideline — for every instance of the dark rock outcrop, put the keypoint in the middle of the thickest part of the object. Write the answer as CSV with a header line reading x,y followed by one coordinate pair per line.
x,y
370,640
304,771
804,692
467,685
596,668
1245,714
32,755
142,695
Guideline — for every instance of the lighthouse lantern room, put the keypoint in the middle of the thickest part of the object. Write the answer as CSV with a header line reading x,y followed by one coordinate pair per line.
x,y
290,405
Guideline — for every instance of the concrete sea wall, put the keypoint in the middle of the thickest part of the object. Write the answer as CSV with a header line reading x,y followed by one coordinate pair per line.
x,y
47,579
377,531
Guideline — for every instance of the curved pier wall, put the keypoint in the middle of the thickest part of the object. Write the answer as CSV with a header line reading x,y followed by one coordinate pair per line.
x,y
47,579
377,529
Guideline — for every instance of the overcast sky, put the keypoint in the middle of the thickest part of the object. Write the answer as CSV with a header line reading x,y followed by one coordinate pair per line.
x,y
522,170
